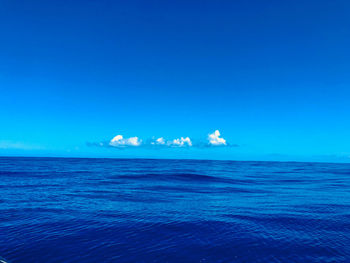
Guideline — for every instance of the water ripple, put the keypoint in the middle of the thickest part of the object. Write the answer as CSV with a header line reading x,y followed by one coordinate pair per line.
x,y
110,210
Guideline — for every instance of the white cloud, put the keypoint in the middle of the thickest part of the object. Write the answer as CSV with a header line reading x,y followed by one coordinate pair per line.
x,y
182,142
160,141
214,139
120,141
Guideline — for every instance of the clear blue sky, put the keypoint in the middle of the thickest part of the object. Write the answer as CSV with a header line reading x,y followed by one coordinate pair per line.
x,y
272,76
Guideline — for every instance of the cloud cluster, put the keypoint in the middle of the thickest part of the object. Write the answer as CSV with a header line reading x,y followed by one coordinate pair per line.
x,y
119,141
214,139
182,142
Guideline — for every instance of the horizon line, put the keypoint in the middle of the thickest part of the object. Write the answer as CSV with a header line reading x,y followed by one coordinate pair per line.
x,y
174,159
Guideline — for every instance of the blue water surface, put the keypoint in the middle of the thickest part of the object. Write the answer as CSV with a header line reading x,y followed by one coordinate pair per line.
x,y
142,210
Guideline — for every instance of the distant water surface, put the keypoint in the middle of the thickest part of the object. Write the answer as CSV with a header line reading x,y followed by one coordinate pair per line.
x,y
124,210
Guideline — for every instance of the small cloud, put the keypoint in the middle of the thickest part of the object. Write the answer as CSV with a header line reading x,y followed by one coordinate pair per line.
x,y
182,142
160,141
215,140
120,141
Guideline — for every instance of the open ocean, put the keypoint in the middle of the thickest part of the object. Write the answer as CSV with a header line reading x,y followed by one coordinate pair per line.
x,y
143,210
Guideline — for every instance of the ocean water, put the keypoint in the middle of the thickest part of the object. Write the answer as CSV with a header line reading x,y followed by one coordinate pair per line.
x,y
139,210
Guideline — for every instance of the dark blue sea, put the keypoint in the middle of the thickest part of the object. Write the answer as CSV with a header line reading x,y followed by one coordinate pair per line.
x,y
143,210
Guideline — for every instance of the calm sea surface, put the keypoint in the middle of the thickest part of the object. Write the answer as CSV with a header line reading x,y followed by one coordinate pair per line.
x,y
124,210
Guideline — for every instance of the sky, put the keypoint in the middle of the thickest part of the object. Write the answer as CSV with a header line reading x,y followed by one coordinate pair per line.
x,y
271,76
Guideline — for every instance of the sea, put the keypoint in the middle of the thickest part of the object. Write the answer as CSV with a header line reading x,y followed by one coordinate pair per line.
x,y
146,210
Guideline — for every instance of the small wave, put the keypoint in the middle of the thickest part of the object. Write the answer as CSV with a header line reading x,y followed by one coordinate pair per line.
x,y
101,210
171,176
